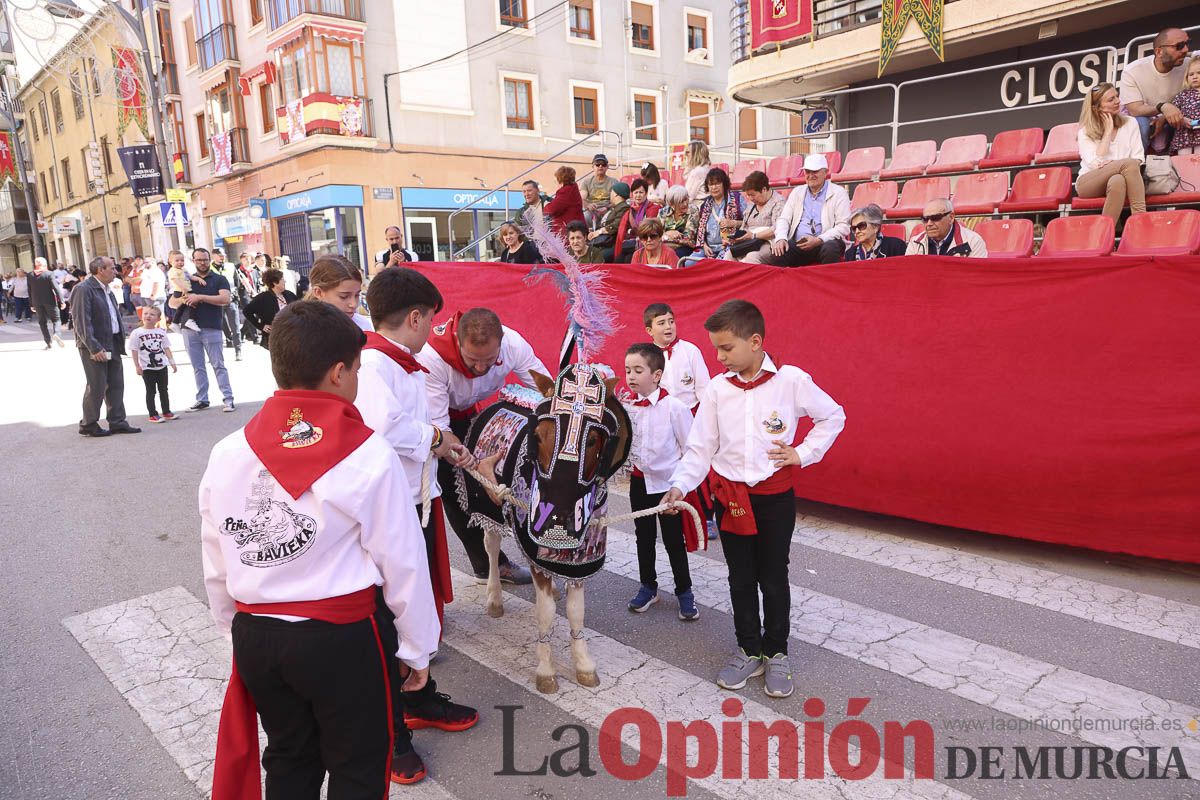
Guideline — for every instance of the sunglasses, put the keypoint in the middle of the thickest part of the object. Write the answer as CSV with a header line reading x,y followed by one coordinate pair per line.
x,y
650,237
862,226
936,217
1184,45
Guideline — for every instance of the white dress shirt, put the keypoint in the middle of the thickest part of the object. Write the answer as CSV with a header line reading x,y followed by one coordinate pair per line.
x,y
1126,143
362,321
367,534
686,375
660,432
449,389
835,214
395,404
736,427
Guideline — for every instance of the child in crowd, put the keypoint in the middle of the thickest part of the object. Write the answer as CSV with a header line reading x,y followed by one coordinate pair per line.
x,y
149,346
335,280
1186,138
685,377
740,440
304,512
181,284
660,430
393,402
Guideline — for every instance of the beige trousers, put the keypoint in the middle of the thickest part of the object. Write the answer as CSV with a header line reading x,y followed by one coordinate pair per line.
x,y
1115,181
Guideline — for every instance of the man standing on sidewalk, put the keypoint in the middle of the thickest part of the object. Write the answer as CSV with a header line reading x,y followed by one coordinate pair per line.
x,y
230,324
209,293
100,338
46,302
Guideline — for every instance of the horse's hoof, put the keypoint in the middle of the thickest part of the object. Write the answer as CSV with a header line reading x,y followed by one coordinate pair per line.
x,y
588,679
547,684
495,610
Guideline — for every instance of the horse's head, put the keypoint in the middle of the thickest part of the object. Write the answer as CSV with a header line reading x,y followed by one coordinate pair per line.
x,y
579,438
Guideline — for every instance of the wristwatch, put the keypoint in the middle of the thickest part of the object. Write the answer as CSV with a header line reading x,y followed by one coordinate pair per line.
x,y
1158,107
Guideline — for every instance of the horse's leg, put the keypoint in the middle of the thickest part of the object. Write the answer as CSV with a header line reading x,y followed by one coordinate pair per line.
x,y
495,599
547,676
585,667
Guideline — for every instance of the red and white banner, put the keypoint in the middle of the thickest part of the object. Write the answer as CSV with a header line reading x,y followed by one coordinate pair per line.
x,y
8,166
222,154
295,118
350,116
778,21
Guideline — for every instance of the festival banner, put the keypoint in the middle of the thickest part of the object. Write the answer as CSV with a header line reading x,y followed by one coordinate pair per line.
x,y
8,165
350,116
295,118
930,17
222,154
142,168
778,21
131,90
178,166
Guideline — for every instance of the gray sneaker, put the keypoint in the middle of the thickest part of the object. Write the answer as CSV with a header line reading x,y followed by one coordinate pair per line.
x,y
741,668
779,676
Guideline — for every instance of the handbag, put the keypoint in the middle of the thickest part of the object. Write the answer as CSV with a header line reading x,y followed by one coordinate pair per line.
x,y
1159,175
743,249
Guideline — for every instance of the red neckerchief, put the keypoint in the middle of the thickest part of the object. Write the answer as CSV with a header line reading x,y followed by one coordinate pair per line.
x,y
300,434
444,341
645,401
669,349
746,386
393,351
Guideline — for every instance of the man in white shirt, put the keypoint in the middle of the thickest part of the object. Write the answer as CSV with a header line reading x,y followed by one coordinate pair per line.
x,y
469,357
1149,83
815,221
944,235
154,284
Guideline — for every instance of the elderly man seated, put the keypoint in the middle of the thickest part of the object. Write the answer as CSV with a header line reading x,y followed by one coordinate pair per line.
x,y
944,235
815,221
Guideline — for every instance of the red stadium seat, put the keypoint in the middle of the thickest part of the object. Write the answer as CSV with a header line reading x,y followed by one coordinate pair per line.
x,y
881,193
980,193
1014,149
781,169
630,178
723,166
1161,233
1007,238
896,229
1038,189
675,176
1080,237
744,168
917,193
910,158
862,164
834,157
959,154
1061,145
1188,167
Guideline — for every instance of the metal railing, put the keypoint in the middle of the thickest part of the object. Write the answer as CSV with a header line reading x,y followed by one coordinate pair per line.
x,y
280,12
506,187
219,44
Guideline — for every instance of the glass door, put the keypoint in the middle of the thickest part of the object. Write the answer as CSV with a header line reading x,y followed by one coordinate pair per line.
x,y
422,237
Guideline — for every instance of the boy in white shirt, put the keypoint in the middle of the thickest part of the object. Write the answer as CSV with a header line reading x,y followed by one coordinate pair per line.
x,y
740,440
149,346
660,430
304,512
393,401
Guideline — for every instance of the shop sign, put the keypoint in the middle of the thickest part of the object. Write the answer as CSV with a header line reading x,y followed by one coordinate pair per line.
x,y
314,199
236,223
66,226
457,198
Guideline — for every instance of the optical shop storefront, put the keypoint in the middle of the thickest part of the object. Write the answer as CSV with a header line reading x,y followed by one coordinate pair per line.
x,y
322,221
433,236
238,232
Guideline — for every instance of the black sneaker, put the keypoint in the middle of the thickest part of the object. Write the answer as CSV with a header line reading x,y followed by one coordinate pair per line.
x,y
429,708
407,767
198,406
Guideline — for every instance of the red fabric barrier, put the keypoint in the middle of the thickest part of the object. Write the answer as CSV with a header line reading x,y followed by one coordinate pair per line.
x,y
1056,400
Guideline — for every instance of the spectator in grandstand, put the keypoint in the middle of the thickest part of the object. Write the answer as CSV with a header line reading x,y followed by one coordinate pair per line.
x,y
567,205
605,237
678,221
656,185
577,242
652,252
640,210
595,191
262,309
1149,84
866,224
1110,154
944,235
722,205
764,210
395,253
517,249
535,202
1187,137
815,220
695,171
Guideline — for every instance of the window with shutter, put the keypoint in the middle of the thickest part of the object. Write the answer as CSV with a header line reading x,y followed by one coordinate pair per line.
x,y
697,32
581,16
585,103
748,127
643,26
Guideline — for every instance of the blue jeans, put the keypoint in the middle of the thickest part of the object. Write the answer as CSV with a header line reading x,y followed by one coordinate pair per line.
x,y
1144,127
207,342
23,308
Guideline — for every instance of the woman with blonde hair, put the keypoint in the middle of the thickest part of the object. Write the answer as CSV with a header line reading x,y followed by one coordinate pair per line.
x,y
1110,154
517,249
335,280
696,165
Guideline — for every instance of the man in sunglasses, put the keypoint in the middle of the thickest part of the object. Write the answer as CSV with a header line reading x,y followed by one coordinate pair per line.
x,y
944,235
1148,85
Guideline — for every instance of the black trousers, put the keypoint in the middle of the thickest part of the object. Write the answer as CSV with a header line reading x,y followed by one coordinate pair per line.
x,y
759,564
105,384
647,538
471,536
323,701
828,253
156,382
47,320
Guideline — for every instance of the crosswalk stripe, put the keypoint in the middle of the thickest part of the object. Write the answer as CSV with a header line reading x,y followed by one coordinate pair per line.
x,y
630,677
168,659
1006,681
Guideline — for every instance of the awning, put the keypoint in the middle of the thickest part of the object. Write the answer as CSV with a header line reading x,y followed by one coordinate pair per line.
x,y
266,70
337,32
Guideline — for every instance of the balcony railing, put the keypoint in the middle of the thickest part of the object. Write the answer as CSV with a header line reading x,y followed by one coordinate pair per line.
x,y
239,145
219,44
170,78
330,115
280,12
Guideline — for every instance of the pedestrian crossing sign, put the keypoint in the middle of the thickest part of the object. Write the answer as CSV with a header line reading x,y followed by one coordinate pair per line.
x,y
174,214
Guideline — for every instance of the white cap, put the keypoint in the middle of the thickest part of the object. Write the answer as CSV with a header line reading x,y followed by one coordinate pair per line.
x,y
815,161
